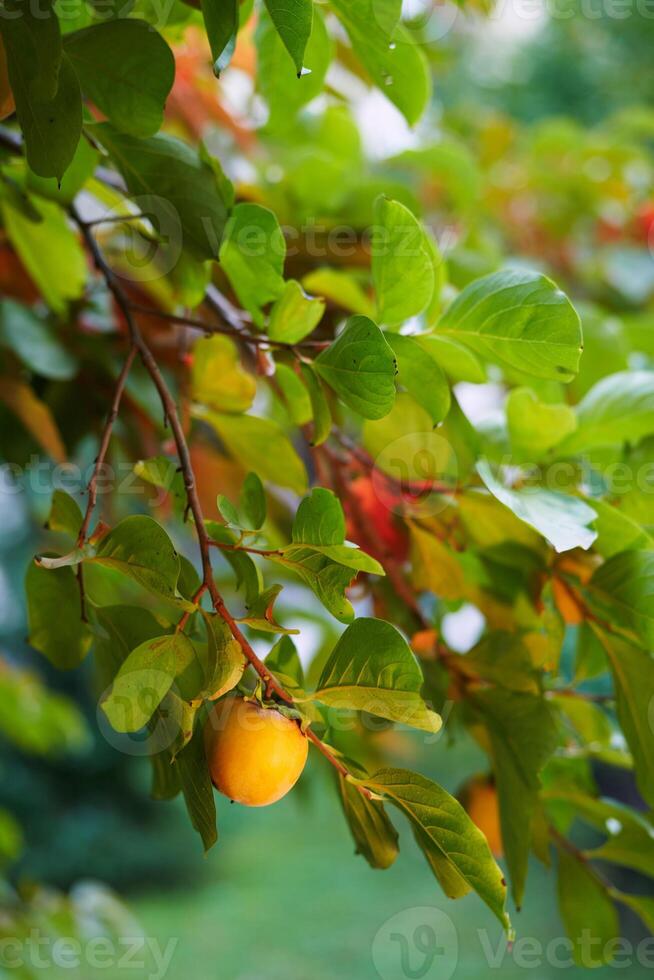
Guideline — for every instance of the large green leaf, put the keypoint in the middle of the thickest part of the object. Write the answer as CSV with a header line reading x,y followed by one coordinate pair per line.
x,y
522,736
618,409
45,86
221,20
564,521
54,616
126,68
327,578
623,586
586,910
252,254
441,823
176,184
520,319
633,676
140,548
372,669
420,374
402,267
260,445
396,64
144,679
360,367
374,835
292,20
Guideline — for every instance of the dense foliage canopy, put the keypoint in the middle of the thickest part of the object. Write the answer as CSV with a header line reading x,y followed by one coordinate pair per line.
x,y
267,344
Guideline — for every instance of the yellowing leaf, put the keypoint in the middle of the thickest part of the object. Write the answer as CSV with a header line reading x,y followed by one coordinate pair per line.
x,y
218,380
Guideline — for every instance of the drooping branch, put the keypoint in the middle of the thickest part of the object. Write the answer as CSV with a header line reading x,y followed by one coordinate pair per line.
x,y
138,344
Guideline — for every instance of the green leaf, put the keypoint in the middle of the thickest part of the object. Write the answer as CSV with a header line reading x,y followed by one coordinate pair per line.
x,y
247,573
520,319
327,578
441,822
191,765
458,362
562,520
50,251
322,416
319,519
294,394
22,331
54,617
260,445
132,88
161,472
221,21
402,267
340,288
65,514
140,548
253,501
252,255
372,669
535,426
586,910
144,678
284,93
397,65
225,661
294,315
284,659
523,736
374,835
45,86
218,379
618,409
623,586
617,531
177,184
360,367
633,675
292,20
261,614
421,376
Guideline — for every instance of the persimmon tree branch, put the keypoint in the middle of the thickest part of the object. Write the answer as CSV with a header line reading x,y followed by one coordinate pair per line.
x,y
138,344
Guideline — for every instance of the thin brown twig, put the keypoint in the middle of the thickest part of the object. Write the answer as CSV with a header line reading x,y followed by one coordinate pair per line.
x,y
92,488
257,340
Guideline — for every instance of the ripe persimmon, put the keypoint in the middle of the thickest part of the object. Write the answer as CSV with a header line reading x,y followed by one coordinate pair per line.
x,y
255,754
479,797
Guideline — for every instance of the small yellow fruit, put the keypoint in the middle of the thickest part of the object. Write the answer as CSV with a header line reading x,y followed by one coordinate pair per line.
x,y
255,754
479,797
7,105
